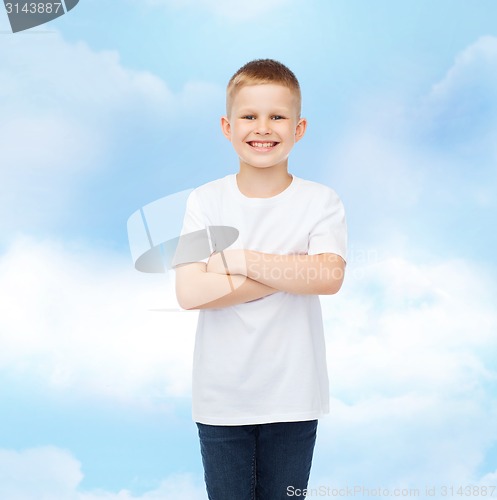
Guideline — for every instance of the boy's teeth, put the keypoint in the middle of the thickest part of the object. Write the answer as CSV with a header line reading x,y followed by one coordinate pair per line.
x,y
263,144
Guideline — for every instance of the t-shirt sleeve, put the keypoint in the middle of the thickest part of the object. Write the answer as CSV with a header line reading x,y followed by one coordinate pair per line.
x,y
329,234
194,218
193,244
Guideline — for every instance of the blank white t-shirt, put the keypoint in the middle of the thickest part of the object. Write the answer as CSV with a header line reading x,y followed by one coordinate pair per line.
x,y
265,361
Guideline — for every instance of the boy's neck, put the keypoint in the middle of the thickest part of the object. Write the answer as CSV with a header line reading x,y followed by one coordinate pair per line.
x,y
263,182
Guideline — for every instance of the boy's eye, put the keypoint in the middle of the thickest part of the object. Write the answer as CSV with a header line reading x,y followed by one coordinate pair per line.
x,y
252,117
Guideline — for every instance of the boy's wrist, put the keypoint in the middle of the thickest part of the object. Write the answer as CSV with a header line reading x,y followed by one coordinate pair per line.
x,y
231,261
248,257
238,261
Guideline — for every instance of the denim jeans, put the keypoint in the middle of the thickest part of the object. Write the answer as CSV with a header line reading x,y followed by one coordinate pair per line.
x,y
257,462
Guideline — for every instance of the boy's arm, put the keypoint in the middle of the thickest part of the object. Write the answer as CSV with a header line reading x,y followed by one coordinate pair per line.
x,y
198,289
320,274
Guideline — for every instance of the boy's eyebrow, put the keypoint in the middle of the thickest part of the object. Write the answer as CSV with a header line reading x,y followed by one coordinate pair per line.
x,y
274,110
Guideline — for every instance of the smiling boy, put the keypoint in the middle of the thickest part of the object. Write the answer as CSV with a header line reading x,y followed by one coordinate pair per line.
x,y
260,379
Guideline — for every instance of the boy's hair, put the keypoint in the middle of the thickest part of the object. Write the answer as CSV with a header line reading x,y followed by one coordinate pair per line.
x,y
262,71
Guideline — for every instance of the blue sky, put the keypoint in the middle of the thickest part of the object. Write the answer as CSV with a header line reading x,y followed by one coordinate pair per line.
x,y
117,104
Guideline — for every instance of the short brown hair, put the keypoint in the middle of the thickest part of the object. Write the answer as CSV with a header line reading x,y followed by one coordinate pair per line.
x,y
262,71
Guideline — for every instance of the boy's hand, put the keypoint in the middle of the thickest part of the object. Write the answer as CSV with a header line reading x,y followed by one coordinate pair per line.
x,y
227,262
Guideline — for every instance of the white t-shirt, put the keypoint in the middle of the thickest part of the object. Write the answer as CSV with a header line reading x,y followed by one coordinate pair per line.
x,y
265,361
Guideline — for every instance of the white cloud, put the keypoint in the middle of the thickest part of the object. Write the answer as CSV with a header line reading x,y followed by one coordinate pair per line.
x,y
380,171
42,473
411,349
490,480
65,110
421,175
75,318
176,487
60,104
411,337
50,473
50,74
225,8
404,312
471,80
460,112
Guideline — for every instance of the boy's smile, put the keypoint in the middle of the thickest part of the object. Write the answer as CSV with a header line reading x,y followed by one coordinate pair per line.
x,y
263,125
263,146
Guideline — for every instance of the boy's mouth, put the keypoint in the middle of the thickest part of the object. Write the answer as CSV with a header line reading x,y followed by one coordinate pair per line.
x,y
262,145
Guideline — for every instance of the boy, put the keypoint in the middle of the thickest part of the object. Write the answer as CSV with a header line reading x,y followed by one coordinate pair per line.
x,y
259,378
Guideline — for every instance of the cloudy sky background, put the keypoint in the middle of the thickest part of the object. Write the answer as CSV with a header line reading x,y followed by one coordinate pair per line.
x,y
117,104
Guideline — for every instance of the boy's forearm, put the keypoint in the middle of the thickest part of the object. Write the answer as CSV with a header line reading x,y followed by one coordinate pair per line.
x,y
246,292
207,290
302,274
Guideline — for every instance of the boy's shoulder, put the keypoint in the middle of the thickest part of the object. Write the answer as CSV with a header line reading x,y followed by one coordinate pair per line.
x,y
317,191
214,185
314,185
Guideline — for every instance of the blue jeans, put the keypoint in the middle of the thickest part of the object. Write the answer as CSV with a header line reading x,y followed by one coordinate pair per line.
x,y
257,462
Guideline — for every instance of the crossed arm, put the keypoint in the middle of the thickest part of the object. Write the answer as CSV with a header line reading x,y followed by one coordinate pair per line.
x,y
239,276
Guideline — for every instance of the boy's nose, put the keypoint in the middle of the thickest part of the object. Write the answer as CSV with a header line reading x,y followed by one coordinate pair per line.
x,y
263,127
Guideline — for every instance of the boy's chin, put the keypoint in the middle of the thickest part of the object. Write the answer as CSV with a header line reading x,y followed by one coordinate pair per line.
x,y
262,165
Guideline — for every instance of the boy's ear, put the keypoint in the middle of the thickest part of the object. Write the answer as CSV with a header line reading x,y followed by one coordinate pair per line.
x,y
226,127
300,130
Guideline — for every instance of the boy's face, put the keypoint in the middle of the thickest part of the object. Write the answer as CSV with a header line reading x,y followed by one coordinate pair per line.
x,y
263,125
